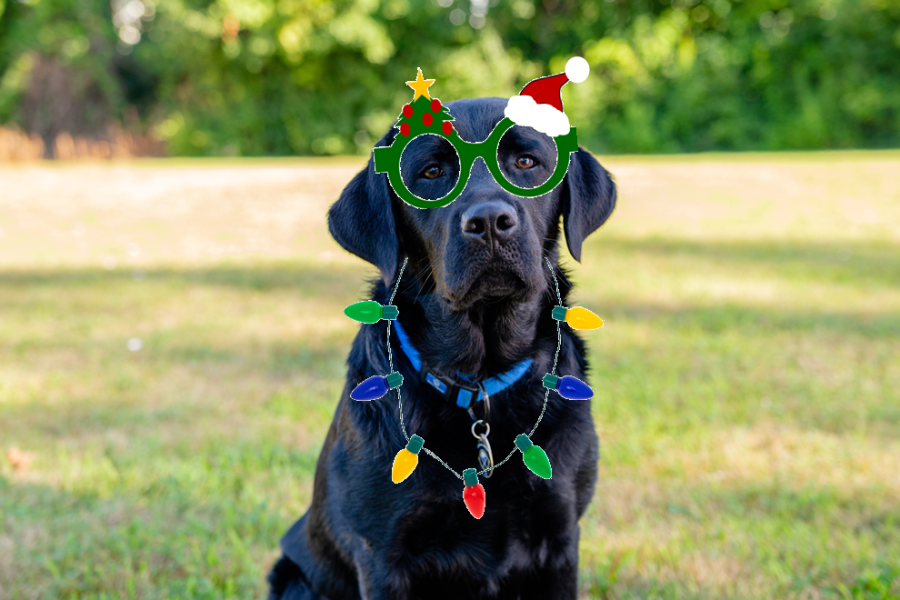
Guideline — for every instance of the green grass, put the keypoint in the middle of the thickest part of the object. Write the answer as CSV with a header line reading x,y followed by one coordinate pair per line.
x,y
747,380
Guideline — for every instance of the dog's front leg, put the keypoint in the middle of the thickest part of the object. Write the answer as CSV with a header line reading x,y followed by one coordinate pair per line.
x,y
557,579
288,582
370,590
376,580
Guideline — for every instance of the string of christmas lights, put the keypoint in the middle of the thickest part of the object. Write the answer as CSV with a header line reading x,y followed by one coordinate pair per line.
x,y
534,457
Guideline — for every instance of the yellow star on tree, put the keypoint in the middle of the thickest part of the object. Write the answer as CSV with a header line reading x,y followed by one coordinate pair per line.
x,y
420,86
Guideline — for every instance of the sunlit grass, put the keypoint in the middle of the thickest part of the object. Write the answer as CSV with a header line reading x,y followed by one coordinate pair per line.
x,y
746,379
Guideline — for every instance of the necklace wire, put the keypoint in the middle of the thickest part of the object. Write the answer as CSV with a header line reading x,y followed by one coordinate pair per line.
x,y
546,391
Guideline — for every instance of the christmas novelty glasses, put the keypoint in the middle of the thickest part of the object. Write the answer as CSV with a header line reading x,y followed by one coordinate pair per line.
x,y
429,164
453,157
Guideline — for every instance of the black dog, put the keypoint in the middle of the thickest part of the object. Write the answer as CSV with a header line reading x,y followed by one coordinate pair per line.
x,y
476,298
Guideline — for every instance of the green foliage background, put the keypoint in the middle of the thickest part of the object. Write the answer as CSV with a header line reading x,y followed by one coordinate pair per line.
x,y
326,77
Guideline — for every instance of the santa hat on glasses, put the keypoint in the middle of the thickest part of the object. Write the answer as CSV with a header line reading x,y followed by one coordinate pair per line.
x,y
539,104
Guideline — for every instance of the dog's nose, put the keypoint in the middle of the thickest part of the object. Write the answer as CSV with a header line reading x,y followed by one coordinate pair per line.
x,y
493,220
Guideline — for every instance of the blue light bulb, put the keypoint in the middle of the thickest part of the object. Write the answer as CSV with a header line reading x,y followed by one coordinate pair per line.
x,y
570,388
376,386
573,388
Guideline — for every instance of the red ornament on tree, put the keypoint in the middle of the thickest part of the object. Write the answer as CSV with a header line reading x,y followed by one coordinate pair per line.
x,y
473,494
424,114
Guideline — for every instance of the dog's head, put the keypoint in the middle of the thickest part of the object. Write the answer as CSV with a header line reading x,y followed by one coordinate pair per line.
x,y
488,243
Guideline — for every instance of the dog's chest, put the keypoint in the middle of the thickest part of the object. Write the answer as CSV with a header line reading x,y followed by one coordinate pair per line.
x,y
519,531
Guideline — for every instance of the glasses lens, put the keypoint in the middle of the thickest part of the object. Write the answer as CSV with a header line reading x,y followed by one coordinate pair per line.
x,y
429,167
527,157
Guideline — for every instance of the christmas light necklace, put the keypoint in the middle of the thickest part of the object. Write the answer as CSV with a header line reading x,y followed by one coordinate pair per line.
x,y
534,457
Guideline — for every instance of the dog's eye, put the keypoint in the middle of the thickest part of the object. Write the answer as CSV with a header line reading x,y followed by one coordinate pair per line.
x,y
525,162
432,172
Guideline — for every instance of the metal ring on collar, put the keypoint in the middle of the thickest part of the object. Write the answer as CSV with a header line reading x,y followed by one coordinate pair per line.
x,y
487,403
487,429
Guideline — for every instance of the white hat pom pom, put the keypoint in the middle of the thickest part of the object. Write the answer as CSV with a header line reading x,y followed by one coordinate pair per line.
x,y
577,69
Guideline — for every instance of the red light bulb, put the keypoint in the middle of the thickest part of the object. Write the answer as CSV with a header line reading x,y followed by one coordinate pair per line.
x,y
473,494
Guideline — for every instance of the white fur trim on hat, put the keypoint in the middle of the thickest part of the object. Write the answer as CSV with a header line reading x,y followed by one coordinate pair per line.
x,y
523,110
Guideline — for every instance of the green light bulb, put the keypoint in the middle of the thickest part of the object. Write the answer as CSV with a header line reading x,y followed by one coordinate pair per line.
x,y
370,312
534,456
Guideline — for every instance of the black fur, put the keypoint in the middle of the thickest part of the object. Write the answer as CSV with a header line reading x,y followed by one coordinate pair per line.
x,y
471,303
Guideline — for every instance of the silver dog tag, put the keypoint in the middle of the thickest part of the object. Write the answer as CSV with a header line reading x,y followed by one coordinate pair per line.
x,y
485,456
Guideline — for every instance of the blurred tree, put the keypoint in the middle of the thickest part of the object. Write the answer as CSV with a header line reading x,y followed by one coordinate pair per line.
x,y
61,70
256,77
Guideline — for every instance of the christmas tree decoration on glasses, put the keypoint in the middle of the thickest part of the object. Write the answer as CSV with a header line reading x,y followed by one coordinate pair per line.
x,y
538,106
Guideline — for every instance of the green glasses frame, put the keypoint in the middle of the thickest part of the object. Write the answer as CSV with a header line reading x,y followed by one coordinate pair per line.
x,y
387,160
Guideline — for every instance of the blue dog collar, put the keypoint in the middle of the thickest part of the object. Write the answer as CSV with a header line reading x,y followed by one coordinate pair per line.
x,y
462,393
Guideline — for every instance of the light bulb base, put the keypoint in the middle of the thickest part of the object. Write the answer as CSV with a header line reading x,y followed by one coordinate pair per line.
x,y
470,477
415,444
550,381
389,312
559,313
523,442
394,380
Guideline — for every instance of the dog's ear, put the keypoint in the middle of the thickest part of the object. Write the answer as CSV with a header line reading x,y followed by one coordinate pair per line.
x,y
589,197
362,221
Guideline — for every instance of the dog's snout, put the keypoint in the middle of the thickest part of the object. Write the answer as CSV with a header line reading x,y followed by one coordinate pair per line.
x,y
493,220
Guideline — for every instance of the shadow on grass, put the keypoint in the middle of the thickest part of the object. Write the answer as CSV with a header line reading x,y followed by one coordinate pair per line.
x,y
278,359
758,321
844,262
291,382
877,264
267,276
198,524
199,519
770,534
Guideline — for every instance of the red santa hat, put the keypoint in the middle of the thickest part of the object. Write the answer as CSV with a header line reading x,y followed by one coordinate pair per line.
x,y
539,104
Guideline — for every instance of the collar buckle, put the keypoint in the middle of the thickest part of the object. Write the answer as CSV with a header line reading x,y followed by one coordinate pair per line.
x,y
455,392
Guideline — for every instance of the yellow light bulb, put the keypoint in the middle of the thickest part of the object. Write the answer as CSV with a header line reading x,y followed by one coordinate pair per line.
x,y
404,464
406,460
582,318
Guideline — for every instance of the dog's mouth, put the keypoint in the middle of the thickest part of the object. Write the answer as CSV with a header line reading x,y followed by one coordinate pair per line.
x,y
492,284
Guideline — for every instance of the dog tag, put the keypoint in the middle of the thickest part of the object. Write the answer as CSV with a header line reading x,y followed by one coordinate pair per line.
x,y
485,456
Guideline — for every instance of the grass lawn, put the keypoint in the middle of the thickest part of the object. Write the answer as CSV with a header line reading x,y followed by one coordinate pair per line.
x,y
172,346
